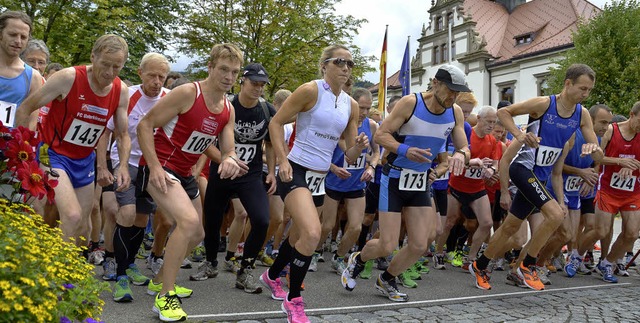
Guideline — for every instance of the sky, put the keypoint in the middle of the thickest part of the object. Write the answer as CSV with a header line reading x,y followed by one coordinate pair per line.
x,y
405,19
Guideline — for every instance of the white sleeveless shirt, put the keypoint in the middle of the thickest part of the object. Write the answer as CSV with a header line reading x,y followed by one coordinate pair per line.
x,y
319,129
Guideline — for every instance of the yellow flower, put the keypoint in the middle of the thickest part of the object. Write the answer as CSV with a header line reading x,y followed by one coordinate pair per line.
x,y
18,307
5,284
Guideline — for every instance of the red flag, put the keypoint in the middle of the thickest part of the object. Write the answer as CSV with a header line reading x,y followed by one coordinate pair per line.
x,y
382,86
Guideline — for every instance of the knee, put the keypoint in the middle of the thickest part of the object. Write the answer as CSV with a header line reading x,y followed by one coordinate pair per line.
x,y
389,246
630,235
556,215
73,218
354,228
417,247
602,232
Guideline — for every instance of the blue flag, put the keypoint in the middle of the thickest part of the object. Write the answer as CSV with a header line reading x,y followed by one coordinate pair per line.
x,y
405,72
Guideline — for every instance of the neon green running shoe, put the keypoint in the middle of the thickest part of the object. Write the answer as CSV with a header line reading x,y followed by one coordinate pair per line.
x,y
420,267
413,273
406,280
121,291
169,307
136,277
182,292
458,259
366,272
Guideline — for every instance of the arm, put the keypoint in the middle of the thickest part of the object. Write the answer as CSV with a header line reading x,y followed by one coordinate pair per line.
x,y
370,170
505,161
230,166
534,107
36,84
461,155
58,86
556,173
591,147
271,167
104,177
355,142
121,126
630,163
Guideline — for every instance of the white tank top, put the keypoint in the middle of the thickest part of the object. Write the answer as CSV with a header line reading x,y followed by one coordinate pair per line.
x,y
319,129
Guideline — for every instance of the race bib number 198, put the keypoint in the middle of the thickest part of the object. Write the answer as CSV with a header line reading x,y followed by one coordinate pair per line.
x,y
620,183
315,182
83,134
411,180
198,142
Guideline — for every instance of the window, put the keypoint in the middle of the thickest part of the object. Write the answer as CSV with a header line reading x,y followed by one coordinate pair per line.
x,y
450,18
439,23
445,53
436,55
543,83
453,50
523,39
506,94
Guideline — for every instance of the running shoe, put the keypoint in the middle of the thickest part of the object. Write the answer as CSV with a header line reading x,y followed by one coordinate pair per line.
x,y
543,275
109,267
182,292
515,280
583,270
154,264
142,252
482,277
169,308
458,259
438,261
206,270
557,263
550,266
500,264
607,273
383,264
405,279
530,277
627,259
338,265
232,265
366,272
571,268
136,277
275,286
198,254
352,271
334,247
412,273
289,281
186,264
313,266
466,263
390,289
294,309
96,256
420,267
589,260
121,291
321,257
621,270
265,259
247,282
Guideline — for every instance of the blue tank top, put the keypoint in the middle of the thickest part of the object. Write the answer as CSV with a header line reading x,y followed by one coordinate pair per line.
x,y
572,182
442,183
353,183
12,92
423,130
554,132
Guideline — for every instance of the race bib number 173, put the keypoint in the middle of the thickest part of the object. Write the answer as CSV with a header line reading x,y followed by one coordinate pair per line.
x,y
411,180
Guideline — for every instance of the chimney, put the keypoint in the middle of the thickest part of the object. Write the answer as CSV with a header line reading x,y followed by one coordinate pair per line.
x,y
510,4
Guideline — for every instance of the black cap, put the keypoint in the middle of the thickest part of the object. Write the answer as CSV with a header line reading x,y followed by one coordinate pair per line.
x,y
503,104
256,72
453,77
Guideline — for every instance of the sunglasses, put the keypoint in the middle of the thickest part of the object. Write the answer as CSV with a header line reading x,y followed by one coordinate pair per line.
x,y
341,62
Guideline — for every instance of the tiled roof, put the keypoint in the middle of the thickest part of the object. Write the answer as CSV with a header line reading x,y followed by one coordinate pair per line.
x,y
550,21
393,82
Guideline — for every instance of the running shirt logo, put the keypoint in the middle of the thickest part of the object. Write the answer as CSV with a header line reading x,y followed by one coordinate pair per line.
x,y
621,183
7,112
209,125
246,152
315,182
411,180
572,184
83,134
95,109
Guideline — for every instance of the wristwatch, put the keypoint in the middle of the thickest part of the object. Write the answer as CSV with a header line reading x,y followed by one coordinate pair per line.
x,y
466,161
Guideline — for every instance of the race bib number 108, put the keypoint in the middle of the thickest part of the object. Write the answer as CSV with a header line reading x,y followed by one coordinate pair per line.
x,y
198,142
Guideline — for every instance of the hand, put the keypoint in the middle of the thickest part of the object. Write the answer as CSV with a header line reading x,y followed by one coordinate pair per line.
x,y
589,148
488,173
476,163
271,181
487,162
285,172
529,139
160,179
626,173
340,172
589,175
104,177
432,176
456,164
230,168
565,209
505,200
418,155
493,179
631,163
368,174
362,141
586,189
122,179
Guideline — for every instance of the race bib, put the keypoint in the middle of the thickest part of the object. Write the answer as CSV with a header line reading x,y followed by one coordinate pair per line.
x,y
315,182
410,180
246,152
198,142
572,184
444,177
7,113
619,183
473,173
83,134
359,163
547,156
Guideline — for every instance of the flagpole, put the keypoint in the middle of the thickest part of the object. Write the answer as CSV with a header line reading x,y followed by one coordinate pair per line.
x,y
382,86
409,46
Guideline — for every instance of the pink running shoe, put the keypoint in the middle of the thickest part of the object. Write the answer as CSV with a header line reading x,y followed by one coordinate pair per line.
x,y
295,310
274,286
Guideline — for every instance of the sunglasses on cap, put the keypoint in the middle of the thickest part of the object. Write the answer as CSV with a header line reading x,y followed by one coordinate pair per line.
x,y
341,62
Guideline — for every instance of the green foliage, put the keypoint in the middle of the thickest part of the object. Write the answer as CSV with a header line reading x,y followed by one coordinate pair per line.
x,y
70,27
285,36
610,44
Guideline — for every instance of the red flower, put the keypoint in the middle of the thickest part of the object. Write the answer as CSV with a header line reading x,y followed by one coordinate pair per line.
x,y
32,179
22,133
19,151
49,185
3,128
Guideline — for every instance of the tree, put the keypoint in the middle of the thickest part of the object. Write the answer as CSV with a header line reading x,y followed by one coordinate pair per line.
x,y
285,36
70,27
610,44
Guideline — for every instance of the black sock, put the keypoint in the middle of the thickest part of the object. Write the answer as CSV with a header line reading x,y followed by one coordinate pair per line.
x,y
137,235
359,260
386,276
529,261
283,258
362,239
108,254
93,245
121,247
482,263
516,253
299,266
230,254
